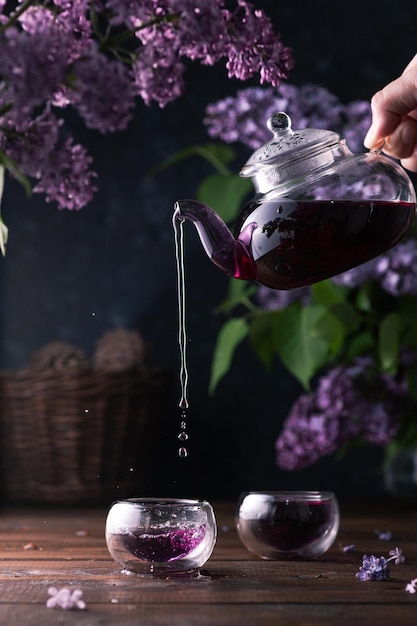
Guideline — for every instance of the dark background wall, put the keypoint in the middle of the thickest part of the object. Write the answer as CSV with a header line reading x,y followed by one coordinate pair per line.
x,y
72,276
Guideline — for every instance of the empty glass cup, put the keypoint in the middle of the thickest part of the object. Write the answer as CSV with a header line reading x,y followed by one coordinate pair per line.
x,y
160,536
293,524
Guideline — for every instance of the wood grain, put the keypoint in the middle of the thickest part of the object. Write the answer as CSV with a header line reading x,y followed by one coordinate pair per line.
x,y
40,548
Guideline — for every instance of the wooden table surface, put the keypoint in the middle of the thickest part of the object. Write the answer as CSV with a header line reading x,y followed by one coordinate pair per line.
x,y
56,547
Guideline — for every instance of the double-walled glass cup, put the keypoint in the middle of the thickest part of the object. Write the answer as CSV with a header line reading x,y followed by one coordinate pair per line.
x,y
288,524
160,536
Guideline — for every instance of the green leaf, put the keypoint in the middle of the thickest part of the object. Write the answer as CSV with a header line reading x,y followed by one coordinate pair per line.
x,y
332,331
347,316
363,343
327,293
239,292
389,342
15,171
364,300
224,193
302,349
217,154
229,337
261,336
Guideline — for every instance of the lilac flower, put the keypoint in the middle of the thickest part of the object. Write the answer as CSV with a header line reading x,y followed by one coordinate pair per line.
x,y
32,66
397,269
349,548
157,78
66,177
376,568
275,299
31,141
65,599
242,118
411,587
238,119
202,29
102,108
67,16
99,57
60,169
373,568
307,435
379,427
396,555
206,32
349,402
128,12
385,535
252,32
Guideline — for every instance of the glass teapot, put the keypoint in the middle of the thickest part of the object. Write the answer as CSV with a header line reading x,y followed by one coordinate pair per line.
x,y
318,210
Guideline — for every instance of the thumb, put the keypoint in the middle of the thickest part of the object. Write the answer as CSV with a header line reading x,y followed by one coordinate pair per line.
x,y
391,104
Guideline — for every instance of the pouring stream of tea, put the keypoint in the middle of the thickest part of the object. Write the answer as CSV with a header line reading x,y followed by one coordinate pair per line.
x,y
178,225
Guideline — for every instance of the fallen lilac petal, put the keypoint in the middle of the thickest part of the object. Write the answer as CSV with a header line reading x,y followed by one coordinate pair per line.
x,y
396,555
385,535
65,599
350,548
411,587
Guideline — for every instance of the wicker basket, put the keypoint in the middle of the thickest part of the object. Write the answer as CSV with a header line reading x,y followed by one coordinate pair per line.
x,y
74,436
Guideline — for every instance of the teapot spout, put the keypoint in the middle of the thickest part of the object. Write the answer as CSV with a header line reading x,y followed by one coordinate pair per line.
x,y
228,253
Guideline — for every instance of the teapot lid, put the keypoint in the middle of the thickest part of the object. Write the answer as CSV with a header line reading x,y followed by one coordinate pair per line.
x,y
287,144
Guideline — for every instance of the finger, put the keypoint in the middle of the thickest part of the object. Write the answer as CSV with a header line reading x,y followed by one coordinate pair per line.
x,y
410,163
402,143
389,105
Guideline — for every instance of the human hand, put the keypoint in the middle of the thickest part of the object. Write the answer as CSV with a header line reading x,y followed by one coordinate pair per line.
x,y
394,118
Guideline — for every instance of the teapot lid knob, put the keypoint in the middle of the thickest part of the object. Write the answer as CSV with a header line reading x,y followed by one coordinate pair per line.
x,y
278,122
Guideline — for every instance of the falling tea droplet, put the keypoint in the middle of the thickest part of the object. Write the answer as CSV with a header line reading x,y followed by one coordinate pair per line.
x,y
183,436
182,452
183,425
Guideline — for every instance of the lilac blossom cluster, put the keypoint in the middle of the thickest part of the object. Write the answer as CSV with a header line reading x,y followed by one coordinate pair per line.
x,y
350,402
395,271
243,117
99,57
376,568
373,568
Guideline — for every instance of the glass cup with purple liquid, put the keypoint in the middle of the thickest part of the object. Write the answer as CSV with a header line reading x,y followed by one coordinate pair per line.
x,y
288,524
160,536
